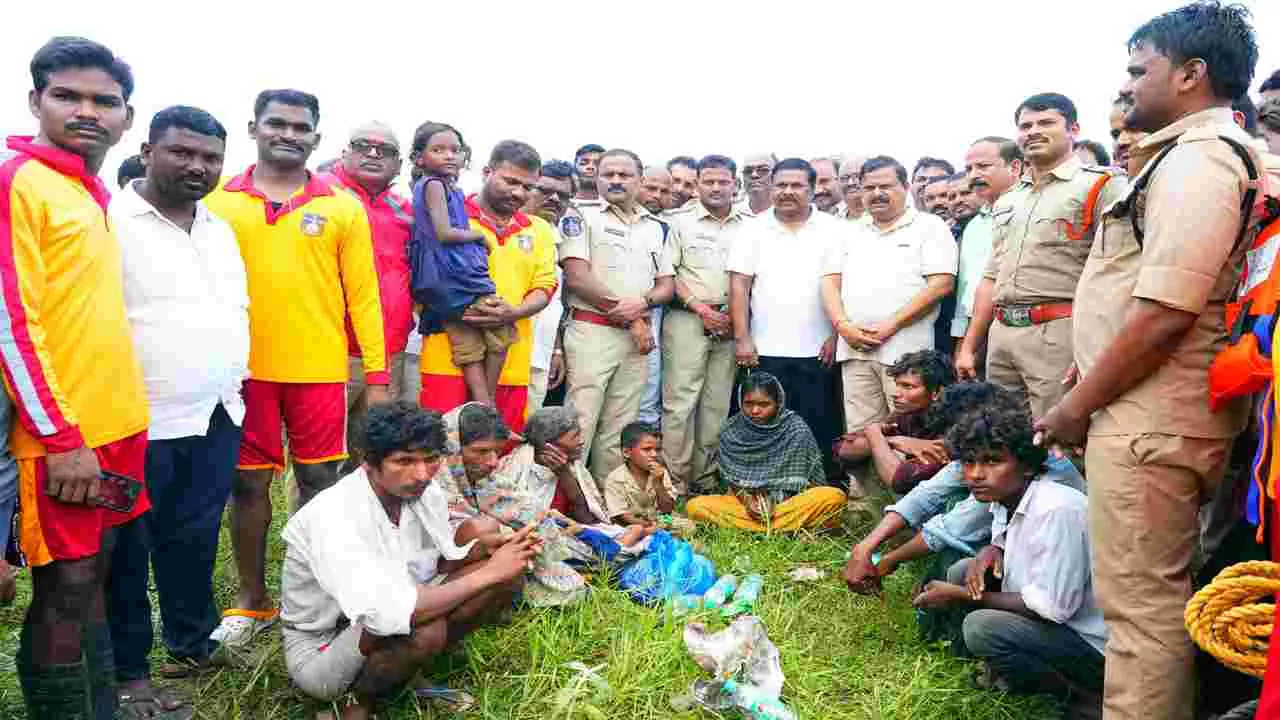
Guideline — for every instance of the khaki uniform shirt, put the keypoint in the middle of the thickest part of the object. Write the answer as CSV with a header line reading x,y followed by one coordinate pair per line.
x,y
1189,260
700,251
1034,261
623,494
626,254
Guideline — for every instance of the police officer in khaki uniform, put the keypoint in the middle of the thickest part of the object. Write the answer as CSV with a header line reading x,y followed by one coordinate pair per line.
x,y
1149,320
1042,233
615,272
698,364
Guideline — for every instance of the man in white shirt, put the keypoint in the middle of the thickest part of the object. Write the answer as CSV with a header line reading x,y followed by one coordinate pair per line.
x,y
775,299
376,581
881,290
187,303
1043,630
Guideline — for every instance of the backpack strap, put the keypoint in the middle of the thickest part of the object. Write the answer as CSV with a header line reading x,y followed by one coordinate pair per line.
x,y
1090,209
1246,206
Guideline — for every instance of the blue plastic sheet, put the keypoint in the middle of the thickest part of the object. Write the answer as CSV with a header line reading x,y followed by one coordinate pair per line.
x,y
670,568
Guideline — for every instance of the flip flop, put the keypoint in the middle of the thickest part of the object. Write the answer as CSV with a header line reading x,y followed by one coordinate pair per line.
x,y
239,626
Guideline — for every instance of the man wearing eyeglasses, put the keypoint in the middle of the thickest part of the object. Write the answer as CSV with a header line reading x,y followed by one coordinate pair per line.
x,y
757,170
851,186
552,200
369,164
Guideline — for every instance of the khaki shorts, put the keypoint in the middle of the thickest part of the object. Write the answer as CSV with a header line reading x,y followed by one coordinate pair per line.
x,y
470,344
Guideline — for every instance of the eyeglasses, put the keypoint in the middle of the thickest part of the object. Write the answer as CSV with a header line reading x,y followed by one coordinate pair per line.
x,y
563,196
752,170
372,149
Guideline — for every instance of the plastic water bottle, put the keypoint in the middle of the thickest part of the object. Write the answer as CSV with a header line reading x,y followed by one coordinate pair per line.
x,y
685,604
757,704
717,594
744,600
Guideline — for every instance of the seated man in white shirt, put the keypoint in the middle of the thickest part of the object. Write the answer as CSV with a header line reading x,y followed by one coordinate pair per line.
x,y
1043,630
375,583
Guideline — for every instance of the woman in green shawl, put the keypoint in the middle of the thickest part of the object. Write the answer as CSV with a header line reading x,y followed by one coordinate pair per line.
x,y
772,468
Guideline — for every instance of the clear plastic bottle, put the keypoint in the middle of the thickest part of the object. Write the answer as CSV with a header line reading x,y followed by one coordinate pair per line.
x,y
717,594
744,600
757,704
685,604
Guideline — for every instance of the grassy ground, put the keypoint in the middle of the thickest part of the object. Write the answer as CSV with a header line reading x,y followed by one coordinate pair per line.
x,y
844,656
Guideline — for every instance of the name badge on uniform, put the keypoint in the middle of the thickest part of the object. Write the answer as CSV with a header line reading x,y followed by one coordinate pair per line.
x,y
615,231
525,242
313,225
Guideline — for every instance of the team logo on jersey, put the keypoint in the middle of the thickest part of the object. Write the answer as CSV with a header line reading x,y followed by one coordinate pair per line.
x,y
571,226
312,224
525,241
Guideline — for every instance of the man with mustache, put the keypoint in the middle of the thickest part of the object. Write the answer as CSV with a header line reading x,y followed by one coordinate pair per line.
x,y
697,335
927,168
185,290
992,165
775,300
71,372
552,200
655,190
616,270
308,256
881,290
587,161
369,164
964,202
684,182
850,169
757,168
1042,239
828,195
522,256
1123,137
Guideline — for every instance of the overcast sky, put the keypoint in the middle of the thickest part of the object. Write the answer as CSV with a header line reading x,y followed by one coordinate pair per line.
x,y
798,77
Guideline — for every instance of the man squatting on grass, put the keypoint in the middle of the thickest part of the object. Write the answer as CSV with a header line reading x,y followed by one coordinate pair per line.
x,y
375,581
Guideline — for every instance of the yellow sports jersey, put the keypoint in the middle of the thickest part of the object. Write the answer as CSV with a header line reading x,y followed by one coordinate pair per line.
x,y
65,344
522,258
309,262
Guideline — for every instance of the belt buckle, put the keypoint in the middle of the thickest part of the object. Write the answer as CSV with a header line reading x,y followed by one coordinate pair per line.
x,y
1017,316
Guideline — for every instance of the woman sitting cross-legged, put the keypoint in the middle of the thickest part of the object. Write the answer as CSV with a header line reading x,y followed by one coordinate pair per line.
x,y
772,466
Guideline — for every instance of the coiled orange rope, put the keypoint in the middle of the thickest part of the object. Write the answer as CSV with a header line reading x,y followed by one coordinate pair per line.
x,y
1227,619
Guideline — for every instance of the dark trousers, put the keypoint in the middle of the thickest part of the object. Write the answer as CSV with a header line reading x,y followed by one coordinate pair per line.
x,y
813,392
189,480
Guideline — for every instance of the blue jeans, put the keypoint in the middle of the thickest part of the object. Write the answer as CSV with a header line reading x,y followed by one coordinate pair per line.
x,y
8,477
189,480
651,403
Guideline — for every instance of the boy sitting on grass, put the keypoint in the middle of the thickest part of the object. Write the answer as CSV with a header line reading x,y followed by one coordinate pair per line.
x,y
639,492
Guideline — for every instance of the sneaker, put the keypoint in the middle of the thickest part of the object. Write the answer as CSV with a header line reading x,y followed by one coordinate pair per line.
x,y
239,627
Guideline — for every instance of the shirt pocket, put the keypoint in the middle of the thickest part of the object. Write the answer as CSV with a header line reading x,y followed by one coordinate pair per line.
x,y
704,254
612,252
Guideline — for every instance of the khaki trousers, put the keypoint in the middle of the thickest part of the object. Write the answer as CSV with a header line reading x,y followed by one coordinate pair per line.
x,y
1031,360
356,406
538,379
606,377
697,380
868,392
1145,493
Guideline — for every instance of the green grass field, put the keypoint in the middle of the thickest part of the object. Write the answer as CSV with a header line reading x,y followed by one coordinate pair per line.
x,y
844,656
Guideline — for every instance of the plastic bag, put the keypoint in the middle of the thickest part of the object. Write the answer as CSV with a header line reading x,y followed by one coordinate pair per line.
x,y
670,568
743,648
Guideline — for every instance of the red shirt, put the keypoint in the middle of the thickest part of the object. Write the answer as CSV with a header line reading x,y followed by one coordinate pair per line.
x,y
390,222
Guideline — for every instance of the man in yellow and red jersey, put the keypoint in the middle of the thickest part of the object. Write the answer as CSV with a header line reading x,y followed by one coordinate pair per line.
x,y
522,257
369,164
308,259
69,366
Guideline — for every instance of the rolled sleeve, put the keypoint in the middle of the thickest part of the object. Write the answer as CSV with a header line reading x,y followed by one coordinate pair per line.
x,y
965,527
939,253
373,593
833,259
930,497
1187,244
743,253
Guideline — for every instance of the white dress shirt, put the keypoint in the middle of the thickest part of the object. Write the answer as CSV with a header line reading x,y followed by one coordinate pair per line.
x,y
1046,557
188,307
787,317
345,558
881,270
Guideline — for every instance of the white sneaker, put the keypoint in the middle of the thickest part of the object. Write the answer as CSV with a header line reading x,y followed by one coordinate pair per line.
x,y
237,630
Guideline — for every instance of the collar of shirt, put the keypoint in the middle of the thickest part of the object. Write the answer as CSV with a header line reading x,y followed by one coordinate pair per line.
x,y
700,212
339,175
1068,168
130,202
1002,518
638,213
313,188
903,221
64,162
519,221
1210,116
771,216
